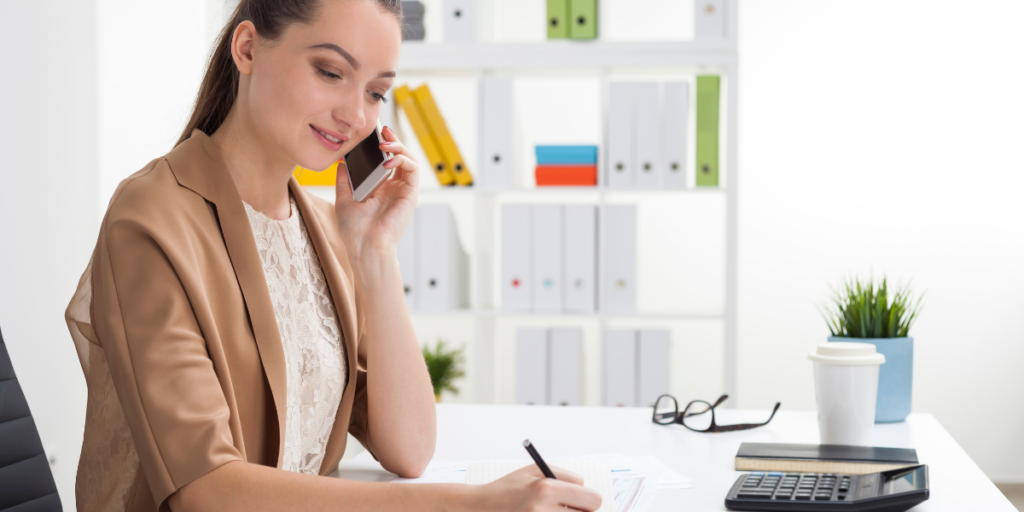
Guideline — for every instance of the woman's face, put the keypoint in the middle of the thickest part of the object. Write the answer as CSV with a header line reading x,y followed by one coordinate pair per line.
x,y
317,91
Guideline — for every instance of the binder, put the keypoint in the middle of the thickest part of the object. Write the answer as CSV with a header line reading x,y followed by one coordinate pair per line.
x,y
566,155
516,258
460,21
648,135
709,19
497,136
558,12
675,117
707,130
620,249
566,175
531,367
439,128
404,98
565,366
583,19
407,263
621,105
652,365
580,258
619,368
547,258
443,264
325,178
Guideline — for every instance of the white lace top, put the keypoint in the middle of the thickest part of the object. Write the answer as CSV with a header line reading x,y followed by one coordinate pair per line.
x,y
314,352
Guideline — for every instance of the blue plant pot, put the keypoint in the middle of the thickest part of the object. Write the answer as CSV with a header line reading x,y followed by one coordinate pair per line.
x,y
895,377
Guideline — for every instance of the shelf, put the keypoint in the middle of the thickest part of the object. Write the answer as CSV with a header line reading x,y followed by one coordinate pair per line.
x,y
490,313
562,54
327,192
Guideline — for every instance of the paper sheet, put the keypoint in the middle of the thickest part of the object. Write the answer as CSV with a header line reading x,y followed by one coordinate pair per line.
x,y
596,475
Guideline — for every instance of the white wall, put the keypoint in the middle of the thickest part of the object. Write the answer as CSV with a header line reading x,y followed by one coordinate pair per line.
x,y
48,208
887,136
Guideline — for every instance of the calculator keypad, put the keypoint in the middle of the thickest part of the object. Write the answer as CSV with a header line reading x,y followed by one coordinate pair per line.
x,y
795,486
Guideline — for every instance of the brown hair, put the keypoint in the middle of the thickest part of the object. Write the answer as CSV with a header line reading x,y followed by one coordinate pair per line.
x,y
220,83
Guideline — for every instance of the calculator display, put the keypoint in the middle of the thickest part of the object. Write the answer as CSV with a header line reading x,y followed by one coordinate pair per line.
x,y
906,481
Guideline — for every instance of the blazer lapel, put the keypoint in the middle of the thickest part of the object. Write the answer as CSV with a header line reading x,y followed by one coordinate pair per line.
x,y
198,166
342,292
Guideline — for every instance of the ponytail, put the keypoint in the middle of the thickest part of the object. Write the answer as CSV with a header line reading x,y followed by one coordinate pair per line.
x,y
219,89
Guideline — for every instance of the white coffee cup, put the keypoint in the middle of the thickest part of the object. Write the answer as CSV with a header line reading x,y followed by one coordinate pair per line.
x,y
846,387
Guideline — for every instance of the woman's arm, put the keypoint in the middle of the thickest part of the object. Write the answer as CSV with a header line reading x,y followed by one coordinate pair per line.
x,y
241,486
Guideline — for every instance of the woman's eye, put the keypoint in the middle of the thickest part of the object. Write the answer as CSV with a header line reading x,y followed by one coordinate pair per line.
x,y
377,97
327,74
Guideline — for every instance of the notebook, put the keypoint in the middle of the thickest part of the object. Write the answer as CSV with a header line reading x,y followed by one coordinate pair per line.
x,y
596,475
824,458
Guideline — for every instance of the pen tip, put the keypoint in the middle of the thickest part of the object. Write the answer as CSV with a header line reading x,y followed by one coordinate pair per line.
x,y
526,442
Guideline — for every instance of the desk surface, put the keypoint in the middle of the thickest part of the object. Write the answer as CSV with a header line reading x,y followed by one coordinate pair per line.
x,y
470,432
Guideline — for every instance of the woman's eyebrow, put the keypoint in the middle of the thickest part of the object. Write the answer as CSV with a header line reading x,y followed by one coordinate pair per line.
x,y
331,46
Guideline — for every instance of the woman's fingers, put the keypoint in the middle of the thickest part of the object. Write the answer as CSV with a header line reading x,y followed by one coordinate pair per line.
x,y
342,187
571,495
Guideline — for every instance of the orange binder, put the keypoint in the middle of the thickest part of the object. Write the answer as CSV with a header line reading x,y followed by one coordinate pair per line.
x,y
566,175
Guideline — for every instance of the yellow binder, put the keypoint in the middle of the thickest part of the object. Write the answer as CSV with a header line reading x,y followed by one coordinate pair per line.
x,y
404,97
441,134
326,178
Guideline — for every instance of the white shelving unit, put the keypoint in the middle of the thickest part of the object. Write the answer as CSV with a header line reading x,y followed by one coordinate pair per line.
x,y
486,381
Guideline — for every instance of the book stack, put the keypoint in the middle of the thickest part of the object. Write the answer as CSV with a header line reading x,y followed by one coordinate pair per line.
x,y
823,458
435,139
412,21
566,166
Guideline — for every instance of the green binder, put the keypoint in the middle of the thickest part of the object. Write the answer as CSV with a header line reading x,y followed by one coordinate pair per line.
x,y
583,19
707,130
558,13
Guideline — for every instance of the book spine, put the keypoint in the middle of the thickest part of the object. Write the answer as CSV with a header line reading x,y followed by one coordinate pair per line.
x,y
816,466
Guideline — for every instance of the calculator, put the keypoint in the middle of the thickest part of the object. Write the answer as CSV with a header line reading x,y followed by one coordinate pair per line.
x,y
889,491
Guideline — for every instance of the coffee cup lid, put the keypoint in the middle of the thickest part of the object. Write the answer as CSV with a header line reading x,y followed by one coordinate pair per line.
x,y
847,354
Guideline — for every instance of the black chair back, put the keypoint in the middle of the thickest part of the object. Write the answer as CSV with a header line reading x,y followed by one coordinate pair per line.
x,y
26,484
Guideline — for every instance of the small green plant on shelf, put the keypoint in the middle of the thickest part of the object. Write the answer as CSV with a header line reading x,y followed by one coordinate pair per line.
x,y
862,309
444,366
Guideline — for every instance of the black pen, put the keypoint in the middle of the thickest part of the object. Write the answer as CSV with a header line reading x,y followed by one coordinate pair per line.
x,y
536,458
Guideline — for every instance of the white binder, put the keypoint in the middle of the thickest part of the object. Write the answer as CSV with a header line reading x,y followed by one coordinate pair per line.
x,y
547,258
407,263
443,264
460,21
620,249
652,365
621,104
496,133
675,118
516,258
580,258
709,19
532,367
648,135
620,368
565,374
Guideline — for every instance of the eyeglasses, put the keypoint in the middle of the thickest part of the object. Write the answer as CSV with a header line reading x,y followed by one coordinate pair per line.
x,y
695,416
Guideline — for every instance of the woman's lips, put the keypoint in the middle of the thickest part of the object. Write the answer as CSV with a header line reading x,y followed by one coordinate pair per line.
x,y
325,137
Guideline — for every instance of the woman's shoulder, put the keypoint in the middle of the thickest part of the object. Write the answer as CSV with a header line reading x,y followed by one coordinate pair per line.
x,y
151,194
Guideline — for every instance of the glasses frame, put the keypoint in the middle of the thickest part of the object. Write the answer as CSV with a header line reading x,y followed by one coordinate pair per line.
x,y
680,417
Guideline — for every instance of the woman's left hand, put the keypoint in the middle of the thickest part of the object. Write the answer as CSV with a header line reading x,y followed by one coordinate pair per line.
x,y
377,223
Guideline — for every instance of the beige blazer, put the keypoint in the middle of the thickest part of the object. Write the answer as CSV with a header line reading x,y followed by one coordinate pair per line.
x,y
177,338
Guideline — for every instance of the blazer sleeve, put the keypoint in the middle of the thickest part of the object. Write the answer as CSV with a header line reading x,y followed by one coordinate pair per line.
x,y
165,380
359,422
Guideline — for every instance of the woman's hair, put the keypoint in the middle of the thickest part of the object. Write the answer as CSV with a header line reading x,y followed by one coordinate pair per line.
x,y
220,83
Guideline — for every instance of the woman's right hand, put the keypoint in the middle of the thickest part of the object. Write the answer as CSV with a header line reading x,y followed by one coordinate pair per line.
x,y
526,490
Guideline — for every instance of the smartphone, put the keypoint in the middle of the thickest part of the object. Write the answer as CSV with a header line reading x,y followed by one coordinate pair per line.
x,y
365,164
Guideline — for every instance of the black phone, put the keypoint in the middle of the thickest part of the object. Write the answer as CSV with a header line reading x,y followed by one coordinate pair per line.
x,y
365,165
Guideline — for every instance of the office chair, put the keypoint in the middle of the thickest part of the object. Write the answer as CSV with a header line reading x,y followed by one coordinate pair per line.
x,y
26,484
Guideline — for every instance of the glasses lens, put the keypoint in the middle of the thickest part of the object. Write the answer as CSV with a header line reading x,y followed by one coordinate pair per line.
x,y
698,415
665,410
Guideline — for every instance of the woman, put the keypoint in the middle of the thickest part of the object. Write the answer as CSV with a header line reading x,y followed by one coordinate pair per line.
x,y
233,328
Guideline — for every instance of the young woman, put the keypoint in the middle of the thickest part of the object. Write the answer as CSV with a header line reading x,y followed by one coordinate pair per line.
x,y
233,329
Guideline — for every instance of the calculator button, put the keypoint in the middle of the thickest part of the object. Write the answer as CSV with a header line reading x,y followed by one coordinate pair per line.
x,y
754,494
841,497
800,496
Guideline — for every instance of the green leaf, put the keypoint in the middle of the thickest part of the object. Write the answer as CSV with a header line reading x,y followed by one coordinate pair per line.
x,y
862,308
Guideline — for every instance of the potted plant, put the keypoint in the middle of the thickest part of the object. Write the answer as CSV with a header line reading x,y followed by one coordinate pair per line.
x,y
862,311
444,367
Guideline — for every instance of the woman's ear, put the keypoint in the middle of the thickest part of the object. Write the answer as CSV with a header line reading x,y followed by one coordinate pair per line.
x,y
242,42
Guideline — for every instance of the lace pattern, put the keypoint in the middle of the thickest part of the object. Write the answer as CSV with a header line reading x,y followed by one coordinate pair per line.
x,y
313,349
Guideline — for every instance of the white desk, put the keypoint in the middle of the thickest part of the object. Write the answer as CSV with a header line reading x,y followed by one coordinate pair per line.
x,y
468,432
